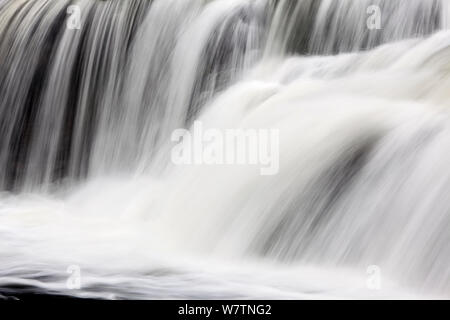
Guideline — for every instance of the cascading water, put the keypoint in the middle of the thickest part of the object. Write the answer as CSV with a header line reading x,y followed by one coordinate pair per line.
x,y
87,113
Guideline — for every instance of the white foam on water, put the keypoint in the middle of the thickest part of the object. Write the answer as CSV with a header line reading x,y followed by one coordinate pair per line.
x,y
363,153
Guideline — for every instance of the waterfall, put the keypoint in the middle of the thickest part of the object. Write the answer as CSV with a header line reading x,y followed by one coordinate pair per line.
x,y
92,91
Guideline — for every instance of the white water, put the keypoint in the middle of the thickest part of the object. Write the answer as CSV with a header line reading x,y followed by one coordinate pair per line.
x,y
364,150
